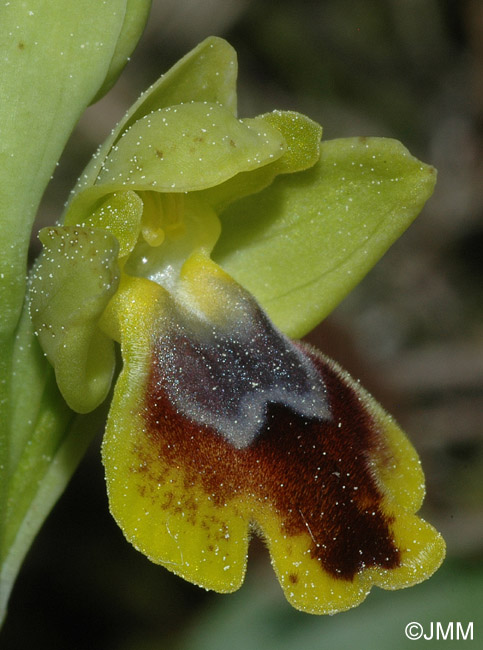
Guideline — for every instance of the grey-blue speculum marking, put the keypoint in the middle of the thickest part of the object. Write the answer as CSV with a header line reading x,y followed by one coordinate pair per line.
x,y
224,378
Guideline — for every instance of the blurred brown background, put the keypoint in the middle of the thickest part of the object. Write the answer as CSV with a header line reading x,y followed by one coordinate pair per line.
x,y
412,331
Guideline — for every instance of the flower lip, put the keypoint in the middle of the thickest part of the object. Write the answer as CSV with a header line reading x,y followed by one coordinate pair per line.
x,y
314,473
333,493
260,418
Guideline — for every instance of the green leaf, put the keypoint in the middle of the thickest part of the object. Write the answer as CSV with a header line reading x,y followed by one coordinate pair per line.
x,y
56,55
135,17
49,442
305,241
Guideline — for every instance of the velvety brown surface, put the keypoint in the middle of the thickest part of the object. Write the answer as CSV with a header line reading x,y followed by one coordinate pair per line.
x,y
314,472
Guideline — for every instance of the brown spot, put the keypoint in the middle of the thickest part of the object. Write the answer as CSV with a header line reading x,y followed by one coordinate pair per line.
x,y
190,504
159,154
329,490
168,501
191,519
293,577
21,45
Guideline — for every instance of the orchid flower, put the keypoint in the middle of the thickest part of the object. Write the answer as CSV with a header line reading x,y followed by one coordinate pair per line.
x,y
204,244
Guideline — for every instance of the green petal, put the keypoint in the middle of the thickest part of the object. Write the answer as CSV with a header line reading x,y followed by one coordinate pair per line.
x,y
302,136
189,147
180,149
304,242
206,74
120,214
73,282
302,139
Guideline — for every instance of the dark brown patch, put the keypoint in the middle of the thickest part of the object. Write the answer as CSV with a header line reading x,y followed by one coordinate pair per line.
x,y
293,578
315,473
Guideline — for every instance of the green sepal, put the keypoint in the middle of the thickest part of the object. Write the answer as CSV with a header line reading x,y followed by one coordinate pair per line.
x,y
74,280
306,240
206,74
